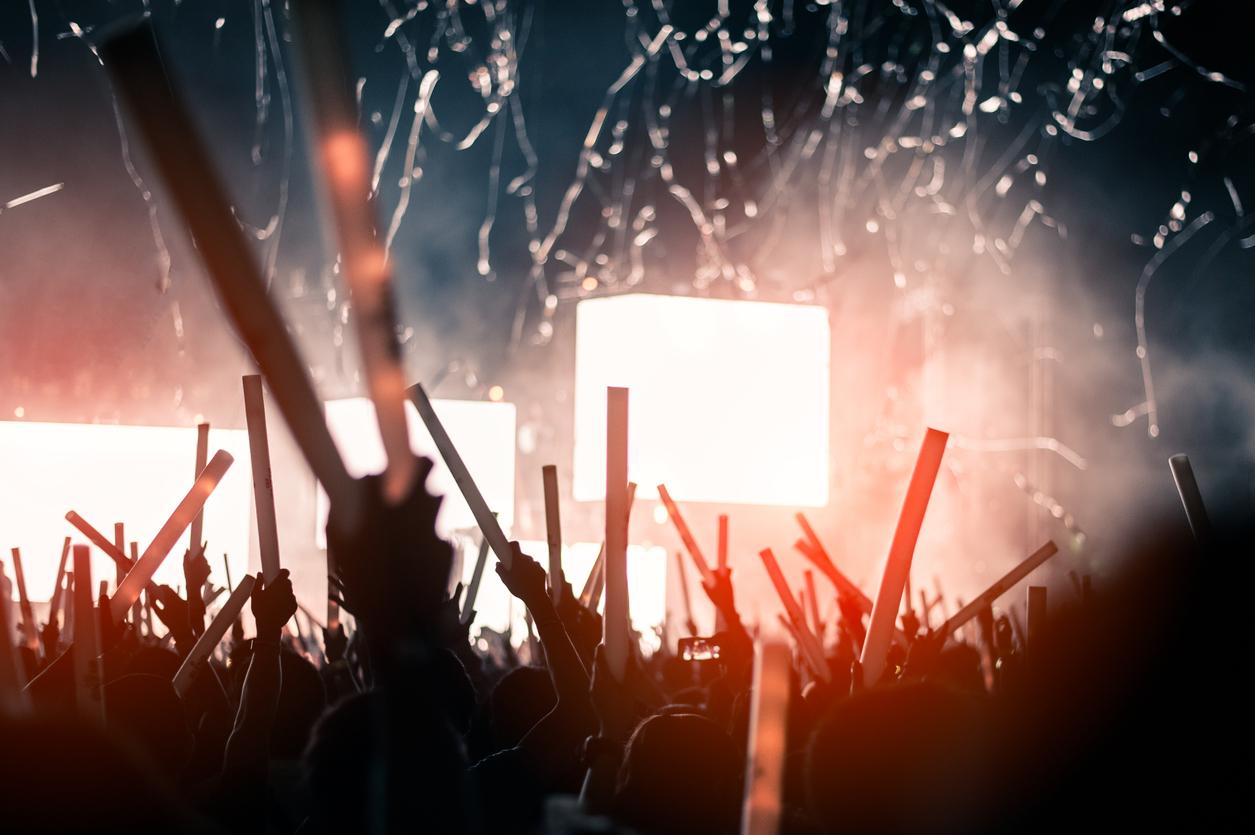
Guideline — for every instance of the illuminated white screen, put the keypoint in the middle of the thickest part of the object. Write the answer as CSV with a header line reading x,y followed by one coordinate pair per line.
x,y
729,399
131,474
483,433
647,586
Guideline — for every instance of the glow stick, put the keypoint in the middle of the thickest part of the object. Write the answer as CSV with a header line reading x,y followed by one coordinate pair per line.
x,y
807,643
213,633
98,539
590,597
686,536
898,565
263,484
722,553
86,641
844,584
29,627
472,591
1036,616
553,531
816,624
119,542
586,594
989,595
54,602
484,517
139,575
68,617
682,578
1191,496
764,774
202,457
135,66
13,698
346,179
615,625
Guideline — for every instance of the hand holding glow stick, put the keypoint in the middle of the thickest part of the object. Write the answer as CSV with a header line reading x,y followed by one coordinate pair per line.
x,y
263,483
474,499
54,602
139,575
686,536
213,634
901,551
989,595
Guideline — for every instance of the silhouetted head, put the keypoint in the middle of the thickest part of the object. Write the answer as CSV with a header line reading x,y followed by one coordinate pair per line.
x,y
905,758
521,698
681,773
453,689
375,764
146,711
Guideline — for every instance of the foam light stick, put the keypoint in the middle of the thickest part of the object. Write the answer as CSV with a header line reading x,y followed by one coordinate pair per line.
x,y
686,536
29,628
615,624
898,565
811,649
764,776
67,618
1002,585
13,698
812,598
553,531
86,640
595,584
472,591
594,575
1036,616
144,568
135,66
474,499
99,540
263,484
1191,496
202,458
843,584
346,175
721,555
54,601
119,542
214,633
682,577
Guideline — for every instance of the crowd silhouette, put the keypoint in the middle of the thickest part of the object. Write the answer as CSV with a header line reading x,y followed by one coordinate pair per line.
x,y
1116,712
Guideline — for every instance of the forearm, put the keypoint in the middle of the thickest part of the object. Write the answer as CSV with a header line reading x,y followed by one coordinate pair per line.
x,y
570,678
249,745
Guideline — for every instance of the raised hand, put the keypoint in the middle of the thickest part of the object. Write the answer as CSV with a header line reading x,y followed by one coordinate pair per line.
x,y
524,578
195,570
719,590
273,604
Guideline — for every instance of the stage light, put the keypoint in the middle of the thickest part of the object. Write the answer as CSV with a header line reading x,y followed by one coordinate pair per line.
x,y
729,399
130,474
483,433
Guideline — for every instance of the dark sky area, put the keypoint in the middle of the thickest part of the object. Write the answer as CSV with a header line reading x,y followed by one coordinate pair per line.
x,y
826,204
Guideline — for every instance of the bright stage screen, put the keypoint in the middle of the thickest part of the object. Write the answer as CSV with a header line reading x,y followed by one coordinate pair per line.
x,y
131,474
729,399
482,431
647,586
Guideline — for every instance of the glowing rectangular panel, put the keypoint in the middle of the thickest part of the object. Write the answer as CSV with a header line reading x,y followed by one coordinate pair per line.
x,y
130,474
729,398
483,433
